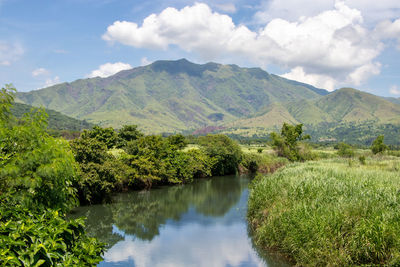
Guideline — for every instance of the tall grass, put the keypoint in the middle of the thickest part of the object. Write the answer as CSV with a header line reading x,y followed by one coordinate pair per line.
x,y
329,212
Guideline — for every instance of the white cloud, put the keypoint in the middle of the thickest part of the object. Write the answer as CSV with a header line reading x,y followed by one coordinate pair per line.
x,y
364,72
394,90
109,69
52,81
327,49
388,30
9,52
373,11
223,245
40,72
318,80
144,61
227,7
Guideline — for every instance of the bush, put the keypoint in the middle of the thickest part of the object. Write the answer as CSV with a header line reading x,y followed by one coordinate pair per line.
x,y
100,173
378,146
44,238
106,136
128,133
362,159
36,169
225,153
345,150
286,143
251,162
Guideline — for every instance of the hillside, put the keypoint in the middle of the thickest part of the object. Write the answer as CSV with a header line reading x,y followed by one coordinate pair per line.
x,y
346,114
169,96
56,120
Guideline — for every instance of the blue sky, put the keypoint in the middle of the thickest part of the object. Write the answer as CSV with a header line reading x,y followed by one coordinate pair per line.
x,y
327,43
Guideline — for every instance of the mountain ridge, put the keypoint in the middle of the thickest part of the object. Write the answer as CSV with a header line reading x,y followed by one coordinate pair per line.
x,y
171,96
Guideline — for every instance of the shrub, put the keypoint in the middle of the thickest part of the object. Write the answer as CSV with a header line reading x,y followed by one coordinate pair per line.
x,y
44,238
378,146
345,150
362,159
128,133
105,135
286,143
36,169
225,153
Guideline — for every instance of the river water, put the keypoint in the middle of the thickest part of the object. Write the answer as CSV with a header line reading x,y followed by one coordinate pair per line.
x,y
199,224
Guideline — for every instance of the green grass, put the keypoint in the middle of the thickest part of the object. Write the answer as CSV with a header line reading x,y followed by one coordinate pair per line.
x,y
330,212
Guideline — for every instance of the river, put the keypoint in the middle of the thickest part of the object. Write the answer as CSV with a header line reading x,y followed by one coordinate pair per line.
x,y
198,224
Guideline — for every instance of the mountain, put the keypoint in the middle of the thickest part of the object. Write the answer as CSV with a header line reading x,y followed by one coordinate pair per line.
x,y
345,114
393,100
56,120
172,96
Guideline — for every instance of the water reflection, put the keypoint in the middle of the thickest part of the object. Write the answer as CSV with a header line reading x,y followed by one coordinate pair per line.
x,y
200,224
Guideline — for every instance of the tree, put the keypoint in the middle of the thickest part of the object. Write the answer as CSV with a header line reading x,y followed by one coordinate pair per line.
x,y
105,135
128,133
345,150
36,176
36,168
223,151
378,146
286,143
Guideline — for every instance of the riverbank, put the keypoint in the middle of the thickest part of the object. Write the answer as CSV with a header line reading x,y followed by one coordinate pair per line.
x,y
330,212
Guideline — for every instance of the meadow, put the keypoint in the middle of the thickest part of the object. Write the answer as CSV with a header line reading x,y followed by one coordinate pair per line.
x,y
335,211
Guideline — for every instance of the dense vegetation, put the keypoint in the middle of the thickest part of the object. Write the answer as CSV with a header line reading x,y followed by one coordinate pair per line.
x,y
142,162
58,123
171,96
37,172
330,212
286,143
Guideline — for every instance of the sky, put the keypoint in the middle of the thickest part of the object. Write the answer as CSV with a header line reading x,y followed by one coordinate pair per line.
x,y
327,43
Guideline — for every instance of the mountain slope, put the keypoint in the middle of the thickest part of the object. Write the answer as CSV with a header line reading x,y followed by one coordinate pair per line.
x,y
346,107
168,96
351,105
56,120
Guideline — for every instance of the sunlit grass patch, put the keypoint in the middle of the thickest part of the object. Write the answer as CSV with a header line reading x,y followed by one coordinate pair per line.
x,y
330,212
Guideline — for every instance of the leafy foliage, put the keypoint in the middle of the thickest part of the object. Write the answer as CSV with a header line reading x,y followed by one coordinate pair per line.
x,y
345,150
378,146
36,168
36,177
99,170
57,121
106,136
128,133
224,151
286,144
44,239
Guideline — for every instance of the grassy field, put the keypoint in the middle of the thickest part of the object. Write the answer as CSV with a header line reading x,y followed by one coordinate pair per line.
x,y
335,212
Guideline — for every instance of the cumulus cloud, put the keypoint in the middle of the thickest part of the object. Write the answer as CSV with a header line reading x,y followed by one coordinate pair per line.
x,y
52,81
40,72
9,52
318,80
144,61
109,69
327,49
44,76
227,7
372,10
388,30
394,90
